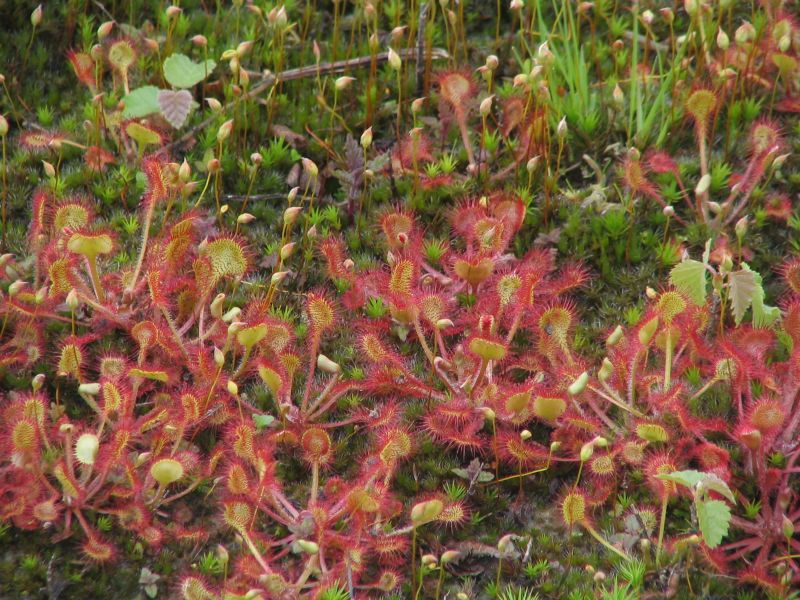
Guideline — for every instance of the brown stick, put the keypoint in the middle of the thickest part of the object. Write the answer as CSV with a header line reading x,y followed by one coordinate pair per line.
x,y
270,79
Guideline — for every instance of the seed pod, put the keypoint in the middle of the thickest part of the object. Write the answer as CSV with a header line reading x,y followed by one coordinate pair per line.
x,y
342,83
366,138
36,15
224,131
394,60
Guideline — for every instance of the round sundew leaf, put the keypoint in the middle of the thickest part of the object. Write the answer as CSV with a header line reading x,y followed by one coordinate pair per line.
x,y
90,245
250,336
549,409
121,55
71,215
166,471
86,448
227,258
142,135
652,432
425,512
182,72
237,515
141,102
175,106
487,349
193,588
701,104
23,436
272,378
573,509
516,403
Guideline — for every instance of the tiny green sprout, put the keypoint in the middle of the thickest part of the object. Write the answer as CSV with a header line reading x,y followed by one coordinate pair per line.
x,y
45,115
130,224
210,564
375,308
30,562
455,490
335,592
535,570
105,523
435,250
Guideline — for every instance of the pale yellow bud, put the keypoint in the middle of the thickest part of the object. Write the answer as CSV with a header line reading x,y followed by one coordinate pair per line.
x,y
104,29
290,214
394,60
366,138
287,250
224,131
36,15
342,83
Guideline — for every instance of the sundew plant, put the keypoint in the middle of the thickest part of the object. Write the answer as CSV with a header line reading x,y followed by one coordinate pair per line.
x,y
427,299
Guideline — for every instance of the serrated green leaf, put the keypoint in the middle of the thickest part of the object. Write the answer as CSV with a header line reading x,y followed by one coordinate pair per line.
x,y
141,102
742,286
687,479
690,479
763,315
714,517
689,277
182,72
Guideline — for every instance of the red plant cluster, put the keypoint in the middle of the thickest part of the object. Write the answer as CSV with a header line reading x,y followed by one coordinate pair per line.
x,y
130,366
497,334
466,314
147,357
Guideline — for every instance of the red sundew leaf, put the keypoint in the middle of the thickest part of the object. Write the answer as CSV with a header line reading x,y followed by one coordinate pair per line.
x,y
791,105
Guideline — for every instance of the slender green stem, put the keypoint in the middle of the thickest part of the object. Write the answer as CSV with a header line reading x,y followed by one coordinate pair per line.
x,y
145,235
439,583
605,543
243,363
668,358
413,556
314,482
5,191
661,526
98,286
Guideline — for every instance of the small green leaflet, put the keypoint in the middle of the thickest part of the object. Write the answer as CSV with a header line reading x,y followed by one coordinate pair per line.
x,y
714,517
763,315
742,288
262,421
182,72
141,102
483,476
689,278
